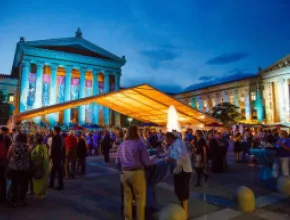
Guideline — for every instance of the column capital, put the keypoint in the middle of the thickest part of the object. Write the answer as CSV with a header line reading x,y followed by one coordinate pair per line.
x,y
39,65
25,63
83,69
95,71
68,69
54,66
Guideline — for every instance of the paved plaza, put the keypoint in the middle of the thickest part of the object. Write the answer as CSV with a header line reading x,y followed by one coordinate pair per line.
x,y
97,196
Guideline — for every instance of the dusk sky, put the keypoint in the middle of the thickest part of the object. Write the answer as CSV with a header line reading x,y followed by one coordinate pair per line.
x,y
167,43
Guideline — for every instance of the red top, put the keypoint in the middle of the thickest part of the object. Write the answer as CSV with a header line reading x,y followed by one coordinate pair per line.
x,y
70,142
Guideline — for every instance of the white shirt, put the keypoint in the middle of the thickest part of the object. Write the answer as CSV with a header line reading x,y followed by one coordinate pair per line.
x,y
179,152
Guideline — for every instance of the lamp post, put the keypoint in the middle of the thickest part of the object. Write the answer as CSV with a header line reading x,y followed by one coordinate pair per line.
x,y
130,120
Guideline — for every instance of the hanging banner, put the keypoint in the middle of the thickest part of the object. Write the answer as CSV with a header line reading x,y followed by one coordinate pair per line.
x,y
75,82
46,88
60,83
89,92
32,90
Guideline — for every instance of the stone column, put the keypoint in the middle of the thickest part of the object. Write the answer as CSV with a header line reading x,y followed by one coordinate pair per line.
x,y
53,117
248,109
236,97
24,86
82,109
95,116
106,90
39,85
259,104
283,98
39,90
117,87
67,96
225,96
200,103
286,99
270,103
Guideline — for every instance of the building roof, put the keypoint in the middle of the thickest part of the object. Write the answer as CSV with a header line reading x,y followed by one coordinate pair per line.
x,y
284,62
73,45
215,82
142,102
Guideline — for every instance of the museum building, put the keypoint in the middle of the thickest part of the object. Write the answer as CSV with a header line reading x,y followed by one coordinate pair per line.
x,y
57,71
262,98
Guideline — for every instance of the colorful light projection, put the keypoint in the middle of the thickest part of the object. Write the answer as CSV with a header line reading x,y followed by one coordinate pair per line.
x,y
75,84
89,92
31,91
46,89
60,83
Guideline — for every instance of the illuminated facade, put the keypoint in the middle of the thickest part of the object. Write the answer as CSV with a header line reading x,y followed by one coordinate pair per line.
x,y
60,70
261,99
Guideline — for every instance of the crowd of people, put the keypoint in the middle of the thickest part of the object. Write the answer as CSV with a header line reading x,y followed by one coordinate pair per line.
x,y
28,160
31,162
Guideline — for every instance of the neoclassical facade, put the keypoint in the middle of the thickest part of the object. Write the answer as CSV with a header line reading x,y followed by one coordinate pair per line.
x,y
59,70
263,98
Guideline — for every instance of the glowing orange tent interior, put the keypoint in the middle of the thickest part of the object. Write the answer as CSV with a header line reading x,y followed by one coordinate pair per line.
x,y
142,102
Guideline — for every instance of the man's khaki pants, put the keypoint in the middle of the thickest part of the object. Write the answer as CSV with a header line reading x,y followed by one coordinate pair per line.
x,y
134,185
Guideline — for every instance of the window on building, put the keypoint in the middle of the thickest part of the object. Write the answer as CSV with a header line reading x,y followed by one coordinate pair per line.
x,y
253,96
254,114
10,98
232,99
222,100
213,102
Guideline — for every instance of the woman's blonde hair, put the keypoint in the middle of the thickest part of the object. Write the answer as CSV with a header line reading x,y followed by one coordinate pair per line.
x,y
132,133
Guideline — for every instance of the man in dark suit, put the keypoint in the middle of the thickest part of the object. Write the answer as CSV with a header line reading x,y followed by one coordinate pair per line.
x,y
57,157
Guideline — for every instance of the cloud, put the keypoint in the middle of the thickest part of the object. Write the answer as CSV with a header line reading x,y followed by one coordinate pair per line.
x,y
235,75
227,58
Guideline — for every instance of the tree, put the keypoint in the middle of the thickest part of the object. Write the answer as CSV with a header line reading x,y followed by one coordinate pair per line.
x,y
227,113
6,109
126,123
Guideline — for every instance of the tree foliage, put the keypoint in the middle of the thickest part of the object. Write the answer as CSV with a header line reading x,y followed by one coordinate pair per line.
x,y
6,109
227,113
126,123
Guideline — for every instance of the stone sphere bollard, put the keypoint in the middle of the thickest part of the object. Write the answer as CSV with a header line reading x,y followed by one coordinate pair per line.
x,y
283,185
172,212
244,199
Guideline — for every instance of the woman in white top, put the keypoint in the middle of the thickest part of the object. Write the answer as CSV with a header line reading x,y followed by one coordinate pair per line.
x,y
180,158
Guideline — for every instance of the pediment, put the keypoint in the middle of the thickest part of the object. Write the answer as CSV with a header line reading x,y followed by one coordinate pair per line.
x,y
75,45
284,62
75,49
